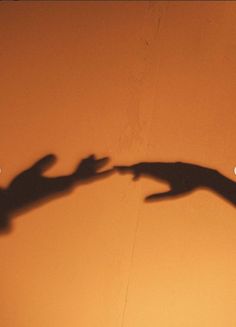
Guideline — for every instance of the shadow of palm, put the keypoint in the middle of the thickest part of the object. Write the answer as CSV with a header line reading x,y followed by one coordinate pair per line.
x,y
30,187
183,178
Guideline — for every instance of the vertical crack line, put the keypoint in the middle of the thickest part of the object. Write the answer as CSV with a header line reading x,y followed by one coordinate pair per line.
x,y
130,268
156,37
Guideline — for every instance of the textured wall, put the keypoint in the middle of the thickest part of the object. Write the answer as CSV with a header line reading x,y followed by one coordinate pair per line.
x,y
135,81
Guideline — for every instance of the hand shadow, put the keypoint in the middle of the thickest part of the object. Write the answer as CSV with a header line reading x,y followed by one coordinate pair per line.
x,y
183,178
30,187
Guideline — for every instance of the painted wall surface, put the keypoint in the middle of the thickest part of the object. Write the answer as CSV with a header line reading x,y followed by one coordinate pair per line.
x,y
136,81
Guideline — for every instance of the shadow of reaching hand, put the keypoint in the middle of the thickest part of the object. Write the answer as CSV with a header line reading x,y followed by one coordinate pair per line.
x,y
183,178
30,187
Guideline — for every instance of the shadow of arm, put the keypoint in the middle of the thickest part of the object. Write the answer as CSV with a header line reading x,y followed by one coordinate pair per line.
x,y
223,186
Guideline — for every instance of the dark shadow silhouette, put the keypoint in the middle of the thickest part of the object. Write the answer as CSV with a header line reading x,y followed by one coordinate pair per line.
x,y
30,188
183,178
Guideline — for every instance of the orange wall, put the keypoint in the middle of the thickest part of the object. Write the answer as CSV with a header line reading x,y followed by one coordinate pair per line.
x,y
135,81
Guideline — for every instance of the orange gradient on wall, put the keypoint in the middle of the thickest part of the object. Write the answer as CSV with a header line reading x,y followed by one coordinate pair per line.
x,y
135,81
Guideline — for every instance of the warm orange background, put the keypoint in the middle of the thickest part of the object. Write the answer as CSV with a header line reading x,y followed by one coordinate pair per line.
x,y
135,81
